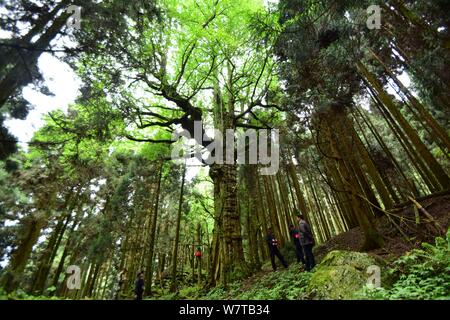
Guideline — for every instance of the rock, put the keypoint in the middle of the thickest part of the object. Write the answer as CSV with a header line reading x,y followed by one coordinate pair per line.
x,y
341,274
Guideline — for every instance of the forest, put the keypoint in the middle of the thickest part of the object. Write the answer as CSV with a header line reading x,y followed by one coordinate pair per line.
x,y
136,188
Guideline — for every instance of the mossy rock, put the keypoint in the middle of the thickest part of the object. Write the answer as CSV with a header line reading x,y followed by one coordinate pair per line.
x,y
358,260
342,273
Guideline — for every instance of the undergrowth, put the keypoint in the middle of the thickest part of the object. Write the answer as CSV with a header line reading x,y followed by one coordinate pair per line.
x,y
287,284
422,274
419,274
22,295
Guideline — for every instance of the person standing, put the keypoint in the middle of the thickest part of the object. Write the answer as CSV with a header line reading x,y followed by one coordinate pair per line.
x,y
307,242
272,242
139,286
295,235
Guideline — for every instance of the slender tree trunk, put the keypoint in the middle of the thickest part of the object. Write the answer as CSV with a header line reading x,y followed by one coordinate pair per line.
x,y
199,259
173,285
30,234
149,278
48,256
434,166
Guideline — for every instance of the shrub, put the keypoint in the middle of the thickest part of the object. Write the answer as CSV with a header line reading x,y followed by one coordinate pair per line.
x,y
421,274
282,285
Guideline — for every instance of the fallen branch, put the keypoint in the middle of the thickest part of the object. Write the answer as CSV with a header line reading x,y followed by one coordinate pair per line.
x,y
436,224
401,206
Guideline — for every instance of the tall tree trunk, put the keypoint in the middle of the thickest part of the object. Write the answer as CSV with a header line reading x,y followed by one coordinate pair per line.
x,y
32,227
435,127
434,166
250,175
225,204
199,259
149,271
173,284
48,255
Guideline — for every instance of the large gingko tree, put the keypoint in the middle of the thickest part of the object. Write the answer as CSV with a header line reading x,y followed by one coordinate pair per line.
x,y
192,61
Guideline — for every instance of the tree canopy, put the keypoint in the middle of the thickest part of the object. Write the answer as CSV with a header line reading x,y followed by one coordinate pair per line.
x,y
362,115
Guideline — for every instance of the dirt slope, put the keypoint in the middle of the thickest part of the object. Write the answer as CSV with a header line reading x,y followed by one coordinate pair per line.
x,y
395,243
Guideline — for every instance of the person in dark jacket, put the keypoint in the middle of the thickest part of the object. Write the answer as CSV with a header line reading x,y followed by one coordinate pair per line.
x,y
272,242
139,286
307,242
295,234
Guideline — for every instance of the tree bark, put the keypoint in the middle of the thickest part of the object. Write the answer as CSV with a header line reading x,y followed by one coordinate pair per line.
x,y
173,285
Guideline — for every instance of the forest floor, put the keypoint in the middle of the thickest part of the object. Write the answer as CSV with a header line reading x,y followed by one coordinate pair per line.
x,y
292,283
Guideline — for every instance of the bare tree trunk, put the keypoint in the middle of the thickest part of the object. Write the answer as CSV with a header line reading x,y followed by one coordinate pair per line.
x,y
149,271
173,284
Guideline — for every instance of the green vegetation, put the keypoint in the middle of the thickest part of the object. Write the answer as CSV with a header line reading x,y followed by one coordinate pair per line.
x,y
421,274
127,180
341,273
288,284
280,285
21,295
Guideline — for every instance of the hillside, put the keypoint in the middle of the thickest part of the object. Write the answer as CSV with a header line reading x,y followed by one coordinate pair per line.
x,y
174,149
